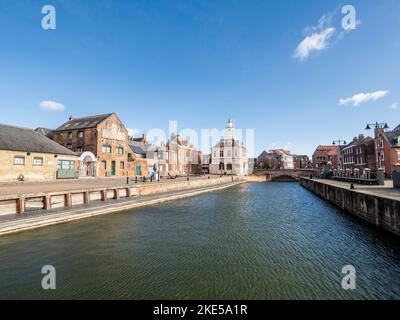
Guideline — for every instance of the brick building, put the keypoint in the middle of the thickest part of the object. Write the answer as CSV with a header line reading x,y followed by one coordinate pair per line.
x,y
101,142
326,156
359,154
276,159
301,161
142,157
387,149
27,155
180,157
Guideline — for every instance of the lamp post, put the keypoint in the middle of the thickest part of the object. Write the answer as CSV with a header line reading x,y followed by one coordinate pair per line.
x,y
339,142
339,156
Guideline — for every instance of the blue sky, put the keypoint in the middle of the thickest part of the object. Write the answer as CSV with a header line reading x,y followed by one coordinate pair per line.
x,y
200,61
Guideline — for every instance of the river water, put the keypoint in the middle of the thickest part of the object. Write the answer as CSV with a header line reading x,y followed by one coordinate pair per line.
x,y
255,241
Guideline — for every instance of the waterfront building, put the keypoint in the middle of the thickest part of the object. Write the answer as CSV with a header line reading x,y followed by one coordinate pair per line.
x,y
229,155
285,159
359,155
387,149
301,162
278,159
28,155
101,142
181,157
326,156
142,158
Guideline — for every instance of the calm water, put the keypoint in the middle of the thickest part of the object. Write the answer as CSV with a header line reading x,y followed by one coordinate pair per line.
x,y
257,241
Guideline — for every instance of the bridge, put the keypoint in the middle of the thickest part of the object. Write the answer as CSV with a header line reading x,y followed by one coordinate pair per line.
x,y
287,175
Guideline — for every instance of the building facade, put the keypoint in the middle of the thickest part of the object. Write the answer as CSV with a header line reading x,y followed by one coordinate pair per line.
x,y
101,142
229,155
326,156
359,155
301,162
142,158
27,155
387,149
181,157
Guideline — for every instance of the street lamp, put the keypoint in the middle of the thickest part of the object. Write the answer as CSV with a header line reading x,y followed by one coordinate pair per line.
x,y
340,142
382,125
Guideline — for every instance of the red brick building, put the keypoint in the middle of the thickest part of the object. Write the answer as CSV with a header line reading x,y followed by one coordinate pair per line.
x,y
387,149
359,154
326,155
101,142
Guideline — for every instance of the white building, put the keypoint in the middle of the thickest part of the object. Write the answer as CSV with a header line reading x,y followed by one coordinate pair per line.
x,y
229,155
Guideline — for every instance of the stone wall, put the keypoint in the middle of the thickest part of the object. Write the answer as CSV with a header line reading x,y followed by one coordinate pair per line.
x,y
381,212
174,186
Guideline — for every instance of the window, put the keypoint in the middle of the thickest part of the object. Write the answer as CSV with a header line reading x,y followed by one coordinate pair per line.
x,y
37,161
79,149
120,150
80,134
229,153
104,165
106,148
69,146
130,157
69,135
19,161
398,156
229,166
221,153
215,154
121,165
66,165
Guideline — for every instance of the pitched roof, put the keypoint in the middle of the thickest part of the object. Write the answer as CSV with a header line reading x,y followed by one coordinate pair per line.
x,y
28,140
83,122
393,136
45,131
141,148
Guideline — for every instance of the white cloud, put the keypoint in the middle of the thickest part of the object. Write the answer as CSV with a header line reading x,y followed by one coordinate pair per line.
x,y
317,41
51,105
395,106
361,98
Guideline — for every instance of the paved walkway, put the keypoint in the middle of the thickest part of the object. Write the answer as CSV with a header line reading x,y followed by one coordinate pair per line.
x,y
78,184
386,191
21,222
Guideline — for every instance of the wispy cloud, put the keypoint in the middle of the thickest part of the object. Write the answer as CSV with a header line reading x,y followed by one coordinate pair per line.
x,y
51,105
319,37
315,42
361,98
395,106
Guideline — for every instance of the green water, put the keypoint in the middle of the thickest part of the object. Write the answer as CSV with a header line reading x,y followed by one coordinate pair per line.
x,y
256,241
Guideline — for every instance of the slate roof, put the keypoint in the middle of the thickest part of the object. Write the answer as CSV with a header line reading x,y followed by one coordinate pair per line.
x,y
141,148
393,136
83,122
28,140
45,131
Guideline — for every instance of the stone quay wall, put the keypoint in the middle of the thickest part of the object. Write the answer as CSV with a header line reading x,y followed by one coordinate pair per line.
x,y
175,186
379,211
30,202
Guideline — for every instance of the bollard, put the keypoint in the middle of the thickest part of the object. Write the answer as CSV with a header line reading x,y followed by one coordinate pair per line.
x,y
136,179
127,180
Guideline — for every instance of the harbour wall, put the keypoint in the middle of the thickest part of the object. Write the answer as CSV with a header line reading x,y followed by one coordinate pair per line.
x,y
379,211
